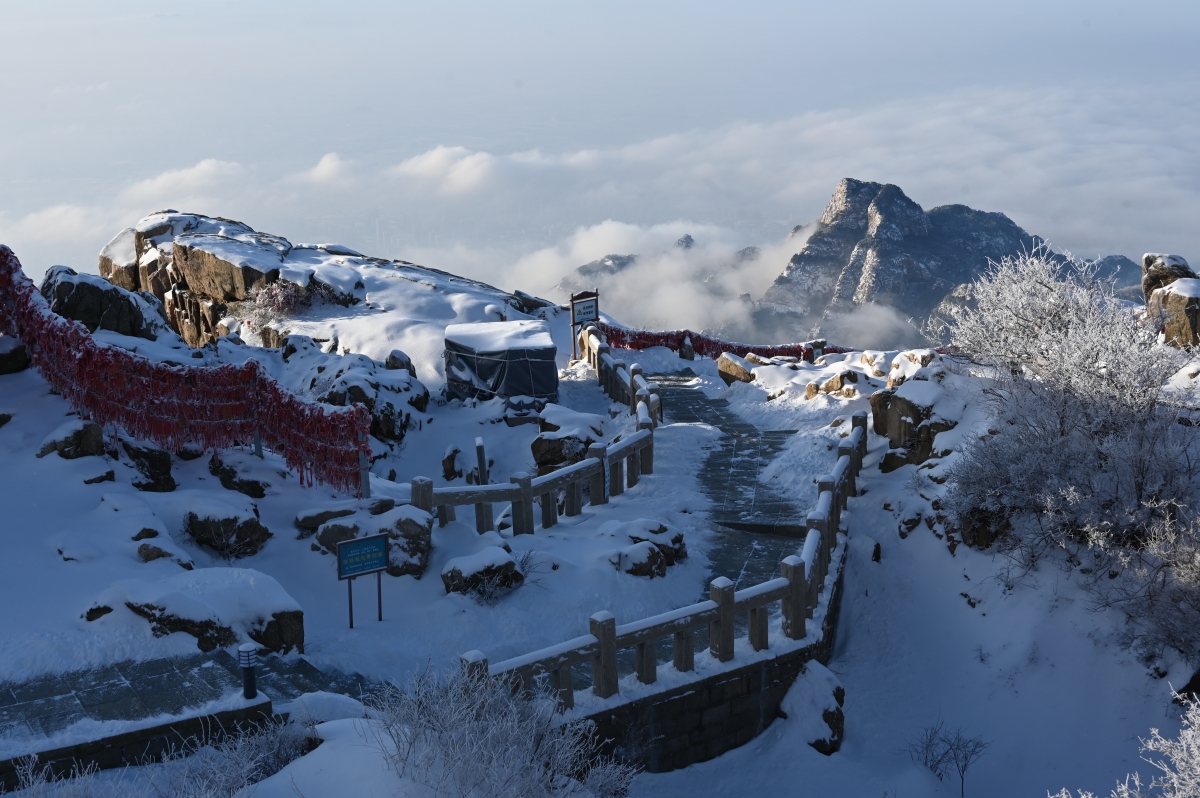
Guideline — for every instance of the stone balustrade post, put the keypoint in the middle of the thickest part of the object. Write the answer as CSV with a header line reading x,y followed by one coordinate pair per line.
x,y
603,626
524,524
422,494
635,371
720,633
596,484
794,603
474,665
484,521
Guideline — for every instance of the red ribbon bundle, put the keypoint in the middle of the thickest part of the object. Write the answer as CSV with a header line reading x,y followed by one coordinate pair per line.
x,y
212,407
704,345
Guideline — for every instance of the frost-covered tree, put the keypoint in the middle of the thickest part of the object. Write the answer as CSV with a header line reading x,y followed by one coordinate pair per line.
x,y
1176,760
471,736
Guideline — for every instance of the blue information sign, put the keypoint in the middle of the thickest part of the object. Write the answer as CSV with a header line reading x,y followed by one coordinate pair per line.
x,y
362,556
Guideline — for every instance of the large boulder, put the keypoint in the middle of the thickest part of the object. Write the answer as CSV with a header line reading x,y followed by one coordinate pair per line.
x,y
227,268
734,369
227,472
153,463
218,606
1176,306
409,531
74,438
641,559
13,355
1160,270
100,305
565,436
230,531
913,414
119,261
814,705
486,571
668,542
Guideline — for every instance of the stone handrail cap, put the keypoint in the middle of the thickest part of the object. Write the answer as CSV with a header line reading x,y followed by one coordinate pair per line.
x,y
721,582
603,615
474,656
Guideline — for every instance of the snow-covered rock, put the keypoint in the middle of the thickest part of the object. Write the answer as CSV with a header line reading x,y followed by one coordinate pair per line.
x,y
488,569
74,438
565,436
409,529
814,704
734,369
99,304
217,606
153,463
227,526
13,355
1176,307
119,261
1160,270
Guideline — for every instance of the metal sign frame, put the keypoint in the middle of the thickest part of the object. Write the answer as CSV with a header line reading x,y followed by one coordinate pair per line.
x,y
349,578
584,299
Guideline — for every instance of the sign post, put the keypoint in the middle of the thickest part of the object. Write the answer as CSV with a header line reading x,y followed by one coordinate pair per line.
x,y
359,557
585,307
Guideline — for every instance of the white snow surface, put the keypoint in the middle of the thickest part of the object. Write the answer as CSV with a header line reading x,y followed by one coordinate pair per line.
x,y
121,250
1186,287
499,336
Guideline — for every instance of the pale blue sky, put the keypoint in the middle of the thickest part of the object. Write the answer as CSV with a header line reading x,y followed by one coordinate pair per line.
x,y
1078,119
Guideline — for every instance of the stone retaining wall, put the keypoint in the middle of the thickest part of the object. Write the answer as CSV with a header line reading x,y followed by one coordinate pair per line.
x,y
703,720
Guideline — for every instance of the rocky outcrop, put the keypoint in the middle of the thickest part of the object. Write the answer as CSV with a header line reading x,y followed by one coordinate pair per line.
x,y
119,262
13,355
1176,307
912,414
229,532
734,369
282,634
209,634
1160,270
875,245
230,480
99,305
655,548
154,464
484,572
75,438
409,530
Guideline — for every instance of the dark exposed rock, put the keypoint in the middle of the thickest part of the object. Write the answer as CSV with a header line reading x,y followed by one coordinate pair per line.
x,y
148,553
5,418
83,439
500,573
281,634
551,453
642,559
146,533
734,369
879,409
452,464
311,521
331,534
99,305
1160,270
152,463
208,633
13,355
669,544
397,360
231,481
411,544
107,476
97,612
236,535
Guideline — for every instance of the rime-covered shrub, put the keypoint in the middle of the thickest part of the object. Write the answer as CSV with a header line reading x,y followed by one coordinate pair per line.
x,y
470,736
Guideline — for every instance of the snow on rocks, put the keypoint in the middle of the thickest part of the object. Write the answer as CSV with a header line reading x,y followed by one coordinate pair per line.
x,y
13,355
228,525
1176,307
487,570
566,435
99,304
815,702
734,369
153,464
409,530
74,438
1160,270
217,606
655,546
914,412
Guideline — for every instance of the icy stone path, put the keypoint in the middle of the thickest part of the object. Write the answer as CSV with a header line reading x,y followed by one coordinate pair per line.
x,y
170,686
762,525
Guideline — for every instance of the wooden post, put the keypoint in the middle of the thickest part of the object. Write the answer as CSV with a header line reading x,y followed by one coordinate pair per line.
x,y
616,479
794,603
574,498
484,519
604,664
549,501
758,628
647,662
720,633
422,494
596,485
684,653
474,665
560,680
525,502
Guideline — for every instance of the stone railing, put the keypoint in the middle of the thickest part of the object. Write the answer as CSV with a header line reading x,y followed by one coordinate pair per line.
x,y
624,384
608,470
799,590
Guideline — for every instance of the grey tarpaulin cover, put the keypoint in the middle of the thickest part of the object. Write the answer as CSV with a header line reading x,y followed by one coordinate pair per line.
x,y
501,358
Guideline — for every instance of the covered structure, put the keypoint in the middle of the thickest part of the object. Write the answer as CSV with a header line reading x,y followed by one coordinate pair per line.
x,y
501,358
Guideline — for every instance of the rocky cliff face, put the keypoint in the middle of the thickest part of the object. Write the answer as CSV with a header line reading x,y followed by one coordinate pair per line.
x,y
875,245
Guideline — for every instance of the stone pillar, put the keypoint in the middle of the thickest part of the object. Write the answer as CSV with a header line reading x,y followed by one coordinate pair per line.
x,y
474,665
422,494
794,609
603,626
484,521
523,506
720,633
596,485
